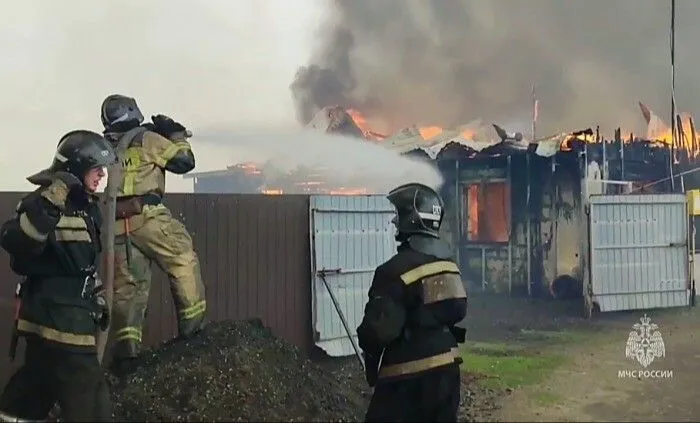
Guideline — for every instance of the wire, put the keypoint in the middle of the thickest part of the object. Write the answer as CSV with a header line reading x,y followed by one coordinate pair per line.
x,y
693,170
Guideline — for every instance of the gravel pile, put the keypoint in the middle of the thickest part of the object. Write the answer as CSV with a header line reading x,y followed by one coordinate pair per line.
x,y
239,371
234,371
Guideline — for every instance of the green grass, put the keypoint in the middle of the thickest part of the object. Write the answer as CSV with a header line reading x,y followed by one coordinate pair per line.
x,y
511,371
525,361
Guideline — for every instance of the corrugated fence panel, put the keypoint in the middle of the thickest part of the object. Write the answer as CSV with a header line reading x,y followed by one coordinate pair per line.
x,y
639,251
254,254
351,236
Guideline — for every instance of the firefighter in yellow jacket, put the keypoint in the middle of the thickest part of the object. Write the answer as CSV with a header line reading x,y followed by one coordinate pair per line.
x,y
146,231
408,332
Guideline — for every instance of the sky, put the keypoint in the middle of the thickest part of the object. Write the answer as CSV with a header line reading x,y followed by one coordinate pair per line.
x,y
213,62
222,65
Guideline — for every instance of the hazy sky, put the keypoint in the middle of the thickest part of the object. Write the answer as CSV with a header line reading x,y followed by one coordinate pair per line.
x,y
202,62
229,63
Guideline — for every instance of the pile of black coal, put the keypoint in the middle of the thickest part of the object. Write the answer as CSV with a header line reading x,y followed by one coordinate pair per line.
x,y
236,371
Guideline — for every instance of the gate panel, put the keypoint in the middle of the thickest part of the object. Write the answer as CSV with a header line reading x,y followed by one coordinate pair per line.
x,y
639,251
350,237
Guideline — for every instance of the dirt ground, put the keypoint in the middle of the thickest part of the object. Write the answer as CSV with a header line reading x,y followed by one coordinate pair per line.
x,y
580,361
524,361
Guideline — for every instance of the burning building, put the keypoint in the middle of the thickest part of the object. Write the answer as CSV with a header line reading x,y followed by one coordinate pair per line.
x,y
513,206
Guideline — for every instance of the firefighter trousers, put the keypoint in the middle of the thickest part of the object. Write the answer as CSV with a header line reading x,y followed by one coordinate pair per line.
x,y
51,374
153,236
430,397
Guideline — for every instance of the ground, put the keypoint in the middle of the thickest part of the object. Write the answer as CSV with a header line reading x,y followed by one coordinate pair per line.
x,y
547,363
523,361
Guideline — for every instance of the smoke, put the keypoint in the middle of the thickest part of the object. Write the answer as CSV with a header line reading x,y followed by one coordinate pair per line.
x,y
347,162
447,62
202,63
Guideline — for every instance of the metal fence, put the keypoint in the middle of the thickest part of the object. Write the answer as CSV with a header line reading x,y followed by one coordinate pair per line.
x,y
254,253
638,251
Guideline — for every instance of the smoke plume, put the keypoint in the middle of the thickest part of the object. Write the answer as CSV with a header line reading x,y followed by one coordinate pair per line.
x,y
447,62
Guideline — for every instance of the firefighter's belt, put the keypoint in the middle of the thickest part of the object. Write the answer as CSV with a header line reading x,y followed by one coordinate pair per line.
x,y
132,206
55,335
417,366
128,207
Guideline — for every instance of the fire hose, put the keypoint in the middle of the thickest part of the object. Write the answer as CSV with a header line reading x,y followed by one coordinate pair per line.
x,y
115,174
322,274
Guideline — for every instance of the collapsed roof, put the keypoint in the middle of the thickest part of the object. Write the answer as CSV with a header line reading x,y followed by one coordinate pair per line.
x,y
335,120
474,136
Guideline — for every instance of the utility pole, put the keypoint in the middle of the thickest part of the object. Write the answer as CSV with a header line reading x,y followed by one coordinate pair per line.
x,y
673,92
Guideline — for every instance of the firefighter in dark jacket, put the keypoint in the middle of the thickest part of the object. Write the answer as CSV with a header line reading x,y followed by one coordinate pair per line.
x,y
54,244
408,333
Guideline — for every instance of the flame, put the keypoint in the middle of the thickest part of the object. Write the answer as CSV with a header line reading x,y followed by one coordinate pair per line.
x,y
312,184
659,136
686,138
426,132
658,133
361,123
248,168
430,132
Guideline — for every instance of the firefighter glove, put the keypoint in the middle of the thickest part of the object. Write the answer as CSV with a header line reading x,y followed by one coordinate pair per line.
x,y
58,191
167,127
101,313
69,179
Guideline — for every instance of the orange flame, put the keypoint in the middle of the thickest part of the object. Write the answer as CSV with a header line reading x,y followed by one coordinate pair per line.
x,y
361,122
662,138
430,132
426,132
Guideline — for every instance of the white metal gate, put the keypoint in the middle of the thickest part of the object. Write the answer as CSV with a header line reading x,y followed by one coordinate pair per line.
x,y
350,236
638,251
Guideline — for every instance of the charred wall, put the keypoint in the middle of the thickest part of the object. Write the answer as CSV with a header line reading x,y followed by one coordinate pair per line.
x,y
254,252
545,191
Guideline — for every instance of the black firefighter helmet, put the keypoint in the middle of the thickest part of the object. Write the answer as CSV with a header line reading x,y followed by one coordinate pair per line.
x,y
419,210
77,152
120,111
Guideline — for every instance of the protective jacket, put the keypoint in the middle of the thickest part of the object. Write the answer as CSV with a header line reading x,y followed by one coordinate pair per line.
x,y
56,250
415,301
148,156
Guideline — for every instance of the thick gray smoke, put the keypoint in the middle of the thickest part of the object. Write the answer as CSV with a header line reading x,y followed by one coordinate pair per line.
x,y
447,62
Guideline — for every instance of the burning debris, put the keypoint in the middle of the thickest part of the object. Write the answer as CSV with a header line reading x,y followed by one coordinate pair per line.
x,y
251,178
472,139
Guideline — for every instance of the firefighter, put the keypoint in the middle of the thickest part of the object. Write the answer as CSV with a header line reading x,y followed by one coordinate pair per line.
x,y
408,333
54,243
146,231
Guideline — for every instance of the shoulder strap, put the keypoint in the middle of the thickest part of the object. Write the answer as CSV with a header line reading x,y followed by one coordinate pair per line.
x,y
115,171
126,140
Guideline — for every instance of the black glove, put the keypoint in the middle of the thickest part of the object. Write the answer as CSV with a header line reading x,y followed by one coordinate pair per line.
x,y
166,126
372,368
101,313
